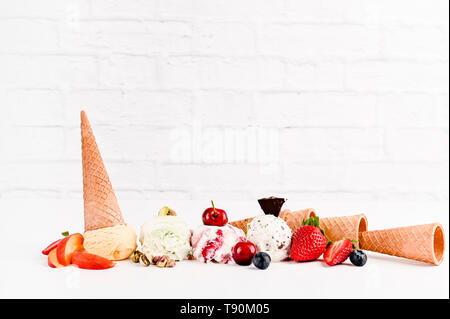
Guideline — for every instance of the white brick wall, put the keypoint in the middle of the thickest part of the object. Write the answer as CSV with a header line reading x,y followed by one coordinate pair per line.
x,y
319,100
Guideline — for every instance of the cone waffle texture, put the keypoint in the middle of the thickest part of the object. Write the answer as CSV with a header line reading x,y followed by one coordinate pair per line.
x,y
242,224
337,228
295,219
422,242
101,208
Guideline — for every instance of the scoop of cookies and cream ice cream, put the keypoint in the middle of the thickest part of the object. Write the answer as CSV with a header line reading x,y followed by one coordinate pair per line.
x,y
214,243
271,235
166,235
113,243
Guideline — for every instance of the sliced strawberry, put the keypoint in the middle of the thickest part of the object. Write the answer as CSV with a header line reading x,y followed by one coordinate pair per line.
x,y
338,252
50,247
209,251
308,242
68,246
90,261
53,259
55,244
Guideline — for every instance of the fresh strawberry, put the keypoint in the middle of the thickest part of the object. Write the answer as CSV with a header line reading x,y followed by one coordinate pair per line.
x,y
90,261
338,252
308,242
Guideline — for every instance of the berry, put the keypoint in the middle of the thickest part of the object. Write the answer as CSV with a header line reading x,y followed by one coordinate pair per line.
x,y
308,242
90,261
214,216
261,260
243,253
50,247
358,258
338,252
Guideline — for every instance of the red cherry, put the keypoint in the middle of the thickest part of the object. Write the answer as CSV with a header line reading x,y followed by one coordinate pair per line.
x,y
214,216
243,253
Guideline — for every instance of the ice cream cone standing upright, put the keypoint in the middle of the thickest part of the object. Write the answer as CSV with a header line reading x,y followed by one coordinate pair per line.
x,y
422,242
101,208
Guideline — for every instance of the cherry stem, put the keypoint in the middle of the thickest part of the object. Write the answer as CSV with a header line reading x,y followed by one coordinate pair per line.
x,y
214,208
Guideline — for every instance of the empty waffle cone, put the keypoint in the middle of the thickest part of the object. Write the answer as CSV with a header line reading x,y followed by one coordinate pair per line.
x,y
423,242
295,219
101,208
337,228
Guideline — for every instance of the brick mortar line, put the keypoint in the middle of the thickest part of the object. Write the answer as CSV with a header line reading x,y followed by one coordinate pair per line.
x,y
305,60
323,162
282,20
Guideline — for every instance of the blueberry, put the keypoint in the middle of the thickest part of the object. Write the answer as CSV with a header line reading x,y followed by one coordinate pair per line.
x,y
358,258
261,260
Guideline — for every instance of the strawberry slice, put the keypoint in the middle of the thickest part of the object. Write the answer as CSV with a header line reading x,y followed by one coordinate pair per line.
x,y
209,251
53,259
50,247
338,252
90,261
55,244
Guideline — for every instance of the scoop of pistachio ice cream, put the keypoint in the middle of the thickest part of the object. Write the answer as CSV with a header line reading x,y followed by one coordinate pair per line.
x,y
113,243
166,235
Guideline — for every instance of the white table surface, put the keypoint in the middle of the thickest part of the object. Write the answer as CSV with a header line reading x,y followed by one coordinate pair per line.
x,y
29,225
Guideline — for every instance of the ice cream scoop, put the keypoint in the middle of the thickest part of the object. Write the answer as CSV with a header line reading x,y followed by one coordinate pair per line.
x,y
214,243
271,235
166,235
113,243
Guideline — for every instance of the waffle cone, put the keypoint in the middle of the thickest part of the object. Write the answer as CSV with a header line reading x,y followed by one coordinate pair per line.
x,y
101,208
295,219
242,224
423,242
337,228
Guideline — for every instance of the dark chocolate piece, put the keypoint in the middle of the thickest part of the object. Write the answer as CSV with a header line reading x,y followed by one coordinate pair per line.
x,y
271,205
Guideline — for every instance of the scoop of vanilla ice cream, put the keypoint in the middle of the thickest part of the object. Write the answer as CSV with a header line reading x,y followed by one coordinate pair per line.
x,y
114,243
166,235
271,235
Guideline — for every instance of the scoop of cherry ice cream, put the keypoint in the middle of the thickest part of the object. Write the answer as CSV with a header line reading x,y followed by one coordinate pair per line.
x,y
213,243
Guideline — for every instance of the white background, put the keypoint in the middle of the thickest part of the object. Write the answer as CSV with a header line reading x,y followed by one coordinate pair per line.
x,y
349,97
24,272
356,92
